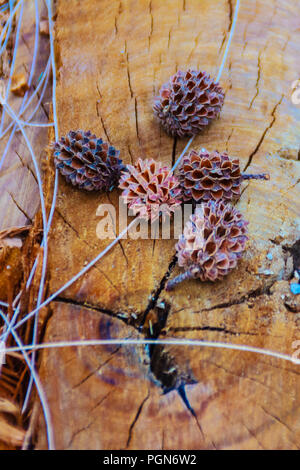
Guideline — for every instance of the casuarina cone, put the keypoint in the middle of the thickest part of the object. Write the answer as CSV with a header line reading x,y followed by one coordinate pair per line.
x,y
212,242
150,189
88,162
212,175
188,103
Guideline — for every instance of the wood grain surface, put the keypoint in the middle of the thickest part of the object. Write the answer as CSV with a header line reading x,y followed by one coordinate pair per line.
x,y
112,58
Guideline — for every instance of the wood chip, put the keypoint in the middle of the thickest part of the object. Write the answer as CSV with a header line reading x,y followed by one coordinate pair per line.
x,y
44,27
19,84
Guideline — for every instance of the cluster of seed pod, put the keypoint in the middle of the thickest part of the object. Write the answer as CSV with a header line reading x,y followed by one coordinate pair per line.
x,y
216,234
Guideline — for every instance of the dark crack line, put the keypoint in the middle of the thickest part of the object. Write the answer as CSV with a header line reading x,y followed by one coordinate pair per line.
x,y
252,434
278,420
130,153
163,440
230,15
98,89
26,165
182,393
101,401
119,241
222,43
84,428
71,227
154,298
90,246
228,139
262,290
128,71
218,366
264,134
284,369
129,81
243,190
122,316
136,120
209,328
151,24
169,38
140,408
257,79
174,151
20,208
116,18
104,129
100,116
196,45
87,377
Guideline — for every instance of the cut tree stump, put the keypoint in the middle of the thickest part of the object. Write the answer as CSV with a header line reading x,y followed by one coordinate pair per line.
x,y
112,58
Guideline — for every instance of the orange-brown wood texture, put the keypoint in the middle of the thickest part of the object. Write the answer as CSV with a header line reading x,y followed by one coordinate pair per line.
x,y
112,57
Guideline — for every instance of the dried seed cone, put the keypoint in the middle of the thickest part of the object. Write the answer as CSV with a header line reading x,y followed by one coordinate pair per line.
x,y
150,189
212,242
212,175
188,103
88,162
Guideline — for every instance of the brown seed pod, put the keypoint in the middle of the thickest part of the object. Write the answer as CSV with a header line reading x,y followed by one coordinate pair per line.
x,y
150,189
87,162
212,175
212,242
188,103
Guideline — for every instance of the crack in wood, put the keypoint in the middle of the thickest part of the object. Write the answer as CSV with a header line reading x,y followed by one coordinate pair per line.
x,y
128,71
262,290
151,24
228,138
95,371
104,129
99,403
119,241
278,420
154,298
20,208
99,115
138,413
26,165
122,316
222,43
210,328
89,245
75,434
196,45
243,377
252,434
263,134
136,120
258,78
174,151
230,15
169,37
130,153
